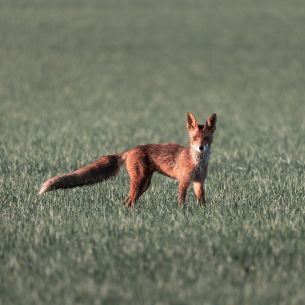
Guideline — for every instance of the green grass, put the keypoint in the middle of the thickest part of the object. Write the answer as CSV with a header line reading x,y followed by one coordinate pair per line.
x,y
79,79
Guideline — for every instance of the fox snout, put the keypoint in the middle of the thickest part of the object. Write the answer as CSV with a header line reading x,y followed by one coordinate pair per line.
x,y
204,147
201,148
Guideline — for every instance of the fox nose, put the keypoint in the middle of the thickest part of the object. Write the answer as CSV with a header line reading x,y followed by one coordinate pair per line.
x,y
201,148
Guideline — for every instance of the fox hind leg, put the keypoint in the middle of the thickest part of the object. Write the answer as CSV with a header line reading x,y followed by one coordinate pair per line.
x,y
147,183
137,187
137,166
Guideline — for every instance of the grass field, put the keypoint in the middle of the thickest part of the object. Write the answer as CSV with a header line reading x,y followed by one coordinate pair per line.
x,y
79,79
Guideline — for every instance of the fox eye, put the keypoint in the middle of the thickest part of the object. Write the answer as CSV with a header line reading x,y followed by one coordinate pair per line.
x,y
195,138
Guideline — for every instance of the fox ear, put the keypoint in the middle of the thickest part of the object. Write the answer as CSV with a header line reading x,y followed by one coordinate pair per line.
x,y
211,121
191,121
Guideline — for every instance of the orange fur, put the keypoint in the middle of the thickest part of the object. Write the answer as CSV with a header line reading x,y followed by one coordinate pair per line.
x,y
185,164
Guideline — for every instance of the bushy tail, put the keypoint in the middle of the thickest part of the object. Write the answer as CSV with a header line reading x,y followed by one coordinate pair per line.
x,y
102,169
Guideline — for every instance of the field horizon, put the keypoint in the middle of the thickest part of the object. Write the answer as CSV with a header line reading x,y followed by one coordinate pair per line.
x,y
79,80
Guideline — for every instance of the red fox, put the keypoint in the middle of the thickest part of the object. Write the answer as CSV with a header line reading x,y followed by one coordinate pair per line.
x,y
185,164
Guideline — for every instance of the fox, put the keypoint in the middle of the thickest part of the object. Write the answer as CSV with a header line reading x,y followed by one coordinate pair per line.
x,y
184,163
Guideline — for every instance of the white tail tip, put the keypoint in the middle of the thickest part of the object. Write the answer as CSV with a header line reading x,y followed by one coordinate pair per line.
x,y
43,189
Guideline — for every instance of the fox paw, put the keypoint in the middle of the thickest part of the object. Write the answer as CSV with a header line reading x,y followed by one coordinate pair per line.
x,y
128,202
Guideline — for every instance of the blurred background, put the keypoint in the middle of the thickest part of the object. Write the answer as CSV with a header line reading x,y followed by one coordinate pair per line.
x,y
71,65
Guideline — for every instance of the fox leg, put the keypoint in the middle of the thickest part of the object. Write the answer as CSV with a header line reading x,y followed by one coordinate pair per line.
x,y
199,192
147,184
137,188
182,188
140,176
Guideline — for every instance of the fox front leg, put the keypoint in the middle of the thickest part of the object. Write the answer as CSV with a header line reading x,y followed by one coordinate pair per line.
x,y
199,192
183,185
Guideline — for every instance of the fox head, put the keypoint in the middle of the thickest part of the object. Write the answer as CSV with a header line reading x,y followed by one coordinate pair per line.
x,y
201,136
